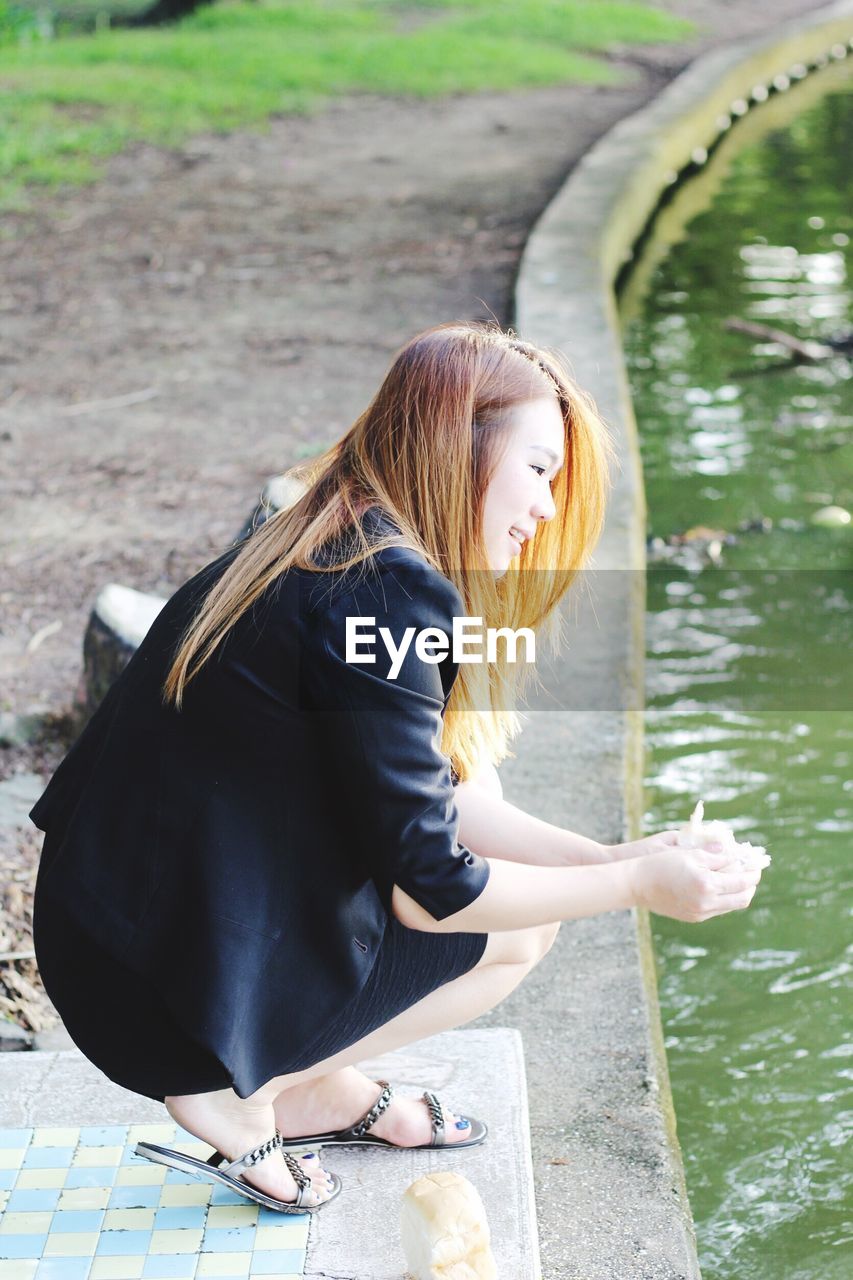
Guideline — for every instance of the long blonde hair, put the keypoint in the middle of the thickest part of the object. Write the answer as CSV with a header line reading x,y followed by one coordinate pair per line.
x,y
423,451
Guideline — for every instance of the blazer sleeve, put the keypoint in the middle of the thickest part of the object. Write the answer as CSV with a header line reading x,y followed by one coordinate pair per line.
x,y
384,738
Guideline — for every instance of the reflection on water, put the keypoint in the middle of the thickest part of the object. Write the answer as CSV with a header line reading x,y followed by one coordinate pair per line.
x,y
749,684
762,640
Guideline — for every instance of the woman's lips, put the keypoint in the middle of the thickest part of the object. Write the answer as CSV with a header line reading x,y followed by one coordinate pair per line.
x,y
515,543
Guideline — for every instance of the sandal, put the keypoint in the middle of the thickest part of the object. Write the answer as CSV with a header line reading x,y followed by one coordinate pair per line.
x,y
357,1133
219,1169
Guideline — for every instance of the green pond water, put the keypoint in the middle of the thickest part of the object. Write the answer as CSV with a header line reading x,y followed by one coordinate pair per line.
x,y
749,693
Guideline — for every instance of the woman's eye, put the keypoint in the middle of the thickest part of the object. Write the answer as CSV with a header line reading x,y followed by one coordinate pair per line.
x,y
541,470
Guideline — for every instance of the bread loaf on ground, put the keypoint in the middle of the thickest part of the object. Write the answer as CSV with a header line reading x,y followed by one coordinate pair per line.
x,y
444,1230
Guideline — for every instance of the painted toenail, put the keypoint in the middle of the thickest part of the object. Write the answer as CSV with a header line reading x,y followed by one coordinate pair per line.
x,y
310,1155
463,1124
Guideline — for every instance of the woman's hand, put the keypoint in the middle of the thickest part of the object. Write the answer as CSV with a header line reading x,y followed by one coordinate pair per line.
x,y
651,844
692,884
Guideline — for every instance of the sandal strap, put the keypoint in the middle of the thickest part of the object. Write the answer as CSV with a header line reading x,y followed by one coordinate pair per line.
x,y
304,1185
250,1158
436,1115
370,1117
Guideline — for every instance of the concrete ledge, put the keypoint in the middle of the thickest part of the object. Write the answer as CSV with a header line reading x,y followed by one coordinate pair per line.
x,y
599,1089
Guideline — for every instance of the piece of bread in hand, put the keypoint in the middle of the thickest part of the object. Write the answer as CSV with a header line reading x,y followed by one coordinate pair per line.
x,y
444,1230
697,834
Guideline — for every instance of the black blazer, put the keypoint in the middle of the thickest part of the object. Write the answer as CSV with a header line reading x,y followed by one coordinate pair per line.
x,y
241,853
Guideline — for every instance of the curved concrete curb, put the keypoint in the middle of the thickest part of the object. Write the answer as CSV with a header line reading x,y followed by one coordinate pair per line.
x,y
565,299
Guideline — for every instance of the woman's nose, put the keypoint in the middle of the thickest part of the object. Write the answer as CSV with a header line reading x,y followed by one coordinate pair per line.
x,y
544,508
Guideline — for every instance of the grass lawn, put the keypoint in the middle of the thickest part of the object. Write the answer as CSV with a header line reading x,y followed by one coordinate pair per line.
x,y
69,100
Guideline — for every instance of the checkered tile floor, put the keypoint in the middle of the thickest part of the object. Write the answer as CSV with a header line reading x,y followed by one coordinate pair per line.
x,y
77,1204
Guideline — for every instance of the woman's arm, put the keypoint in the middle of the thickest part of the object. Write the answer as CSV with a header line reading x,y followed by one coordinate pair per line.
x,y
517,896
494,828
685,884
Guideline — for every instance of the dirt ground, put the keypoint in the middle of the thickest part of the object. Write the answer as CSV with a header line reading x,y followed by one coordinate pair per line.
x,y
245,295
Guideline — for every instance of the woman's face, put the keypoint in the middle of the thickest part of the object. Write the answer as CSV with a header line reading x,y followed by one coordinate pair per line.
x,y
519,494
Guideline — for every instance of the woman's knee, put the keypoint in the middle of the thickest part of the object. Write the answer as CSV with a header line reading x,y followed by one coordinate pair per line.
x,y
521,946
548,936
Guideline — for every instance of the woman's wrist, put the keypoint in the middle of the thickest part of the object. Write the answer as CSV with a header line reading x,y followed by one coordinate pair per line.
x,y
573,850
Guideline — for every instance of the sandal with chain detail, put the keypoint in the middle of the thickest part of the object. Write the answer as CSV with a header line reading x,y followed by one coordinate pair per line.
x,y
218,1168
358,1133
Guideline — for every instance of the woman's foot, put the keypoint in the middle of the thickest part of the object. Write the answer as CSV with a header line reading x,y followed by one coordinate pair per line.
x,y
340,1099
234,1127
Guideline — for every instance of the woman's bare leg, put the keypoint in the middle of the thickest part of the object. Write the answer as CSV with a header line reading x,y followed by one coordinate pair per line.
x,y
333,1094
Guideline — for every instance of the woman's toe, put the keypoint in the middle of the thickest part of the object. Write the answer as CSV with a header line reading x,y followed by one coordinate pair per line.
x,y
323,1189
456,1127
322,1185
